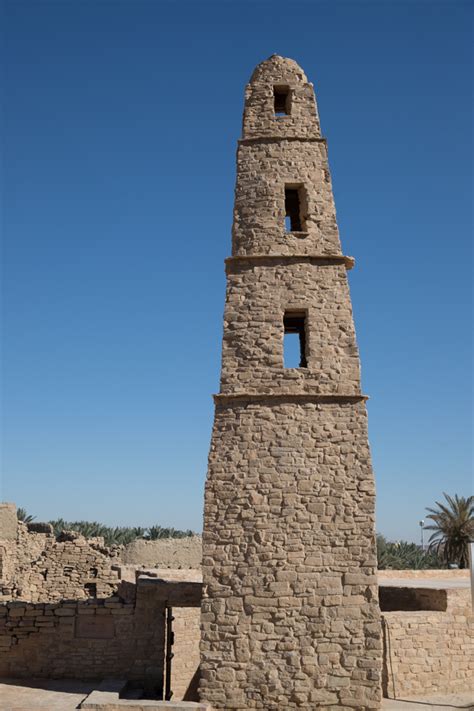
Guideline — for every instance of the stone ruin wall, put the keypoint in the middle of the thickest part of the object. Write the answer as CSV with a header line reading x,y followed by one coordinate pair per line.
x,y
37,567
118,635
52,624
70,567
100,638
429,652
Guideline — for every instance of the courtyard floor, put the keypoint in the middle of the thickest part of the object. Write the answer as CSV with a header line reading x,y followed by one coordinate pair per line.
x,y
66,695
56,695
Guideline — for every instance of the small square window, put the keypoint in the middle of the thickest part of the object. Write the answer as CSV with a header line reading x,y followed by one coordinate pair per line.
x,y
90,589
294,339
294,200
282,100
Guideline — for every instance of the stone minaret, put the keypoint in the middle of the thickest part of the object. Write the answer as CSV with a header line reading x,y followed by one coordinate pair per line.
x,y
290,614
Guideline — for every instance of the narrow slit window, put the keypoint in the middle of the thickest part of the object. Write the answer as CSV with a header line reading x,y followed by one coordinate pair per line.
x,y
294,339
293,221
282,100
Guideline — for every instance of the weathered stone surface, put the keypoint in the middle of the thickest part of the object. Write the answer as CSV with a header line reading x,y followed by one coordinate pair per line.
x,y
290,618
95,627
173,553
37,567
8,522
429,651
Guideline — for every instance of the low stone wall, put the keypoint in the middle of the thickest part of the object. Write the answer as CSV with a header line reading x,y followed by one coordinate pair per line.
x,y
435,574
111,637
428,652
67,639
173,553
82,639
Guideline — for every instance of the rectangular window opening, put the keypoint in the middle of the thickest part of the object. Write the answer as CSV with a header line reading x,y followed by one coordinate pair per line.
x,y
407,599
90,589
293,200
282,100
294,339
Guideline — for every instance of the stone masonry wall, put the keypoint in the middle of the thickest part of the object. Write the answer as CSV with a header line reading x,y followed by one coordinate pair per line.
x,y
67,639
88,639
290,616
289,559
262,172
429,652
259,117
252,355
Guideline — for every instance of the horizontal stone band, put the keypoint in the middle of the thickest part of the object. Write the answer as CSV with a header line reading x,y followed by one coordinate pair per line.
x,y
278,139
231,398
324,259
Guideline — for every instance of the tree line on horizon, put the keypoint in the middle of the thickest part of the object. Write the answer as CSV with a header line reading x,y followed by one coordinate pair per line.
x,y
452,526
112,535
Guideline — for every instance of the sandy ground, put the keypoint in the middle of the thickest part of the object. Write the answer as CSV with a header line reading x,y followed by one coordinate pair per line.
x,y
66,695
56,695
439,702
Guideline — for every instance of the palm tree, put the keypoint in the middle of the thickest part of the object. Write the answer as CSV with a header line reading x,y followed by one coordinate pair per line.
x,y
404,556
453,528
23,515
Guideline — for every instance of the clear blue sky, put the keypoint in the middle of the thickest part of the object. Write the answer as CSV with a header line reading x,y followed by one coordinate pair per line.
x,y
120,132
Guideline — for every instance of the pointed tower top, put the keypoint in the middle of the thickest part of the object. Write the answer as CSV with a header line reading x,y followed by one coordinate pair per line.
x,y
279,102
278,67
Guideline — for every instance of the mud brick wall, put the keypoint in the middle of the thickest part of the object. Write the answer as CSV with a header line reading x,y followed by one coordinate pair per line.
x,y
429,652
171,553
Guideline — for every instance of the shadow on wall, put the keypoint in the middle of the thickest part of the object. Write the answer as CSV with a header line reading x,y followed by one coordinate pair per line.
x,y
122,636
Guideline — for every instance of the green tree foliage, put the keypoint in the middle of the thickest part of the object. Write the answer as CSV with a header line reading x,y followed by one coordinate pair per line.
x,y
404,556
453,528
23,515
155,532
118,535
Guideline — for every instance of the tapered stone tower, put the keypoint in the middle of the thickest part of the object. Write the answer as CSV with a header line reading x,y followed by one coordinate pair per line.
x,y
290,614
